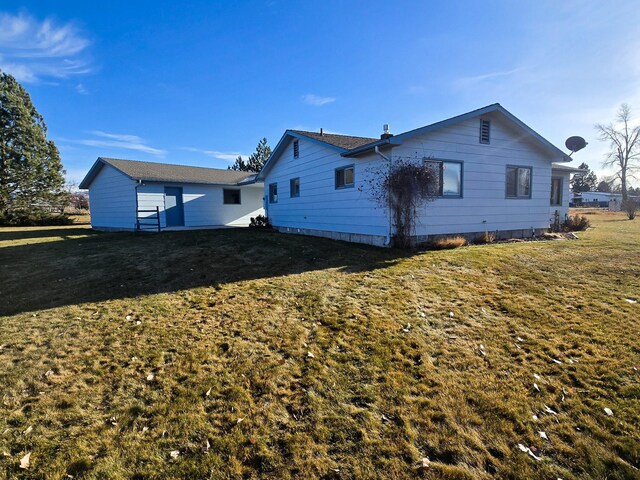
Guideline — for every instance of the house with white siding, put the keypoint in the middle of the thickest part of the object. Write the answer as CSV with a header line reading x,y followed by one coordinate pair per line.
x,y
135,195
496,175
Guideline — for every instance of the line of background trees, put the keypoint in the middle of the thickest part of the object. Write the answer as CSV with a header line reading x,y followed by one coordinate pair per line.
x,y
623,137
588,182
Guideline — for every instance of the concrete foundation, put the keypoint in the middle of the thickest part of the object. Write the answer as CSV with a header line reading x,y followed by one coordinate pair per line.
x,y
379,240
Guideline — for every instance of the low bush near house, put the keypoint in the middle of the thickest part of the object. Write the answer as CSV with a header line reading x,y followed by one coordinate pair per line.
x,y
447,243
576,223
259,222
630,207
486,237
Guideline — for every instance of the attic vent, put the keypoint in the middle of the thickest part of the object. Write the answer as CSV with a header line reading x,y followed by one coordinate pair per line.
x,y
485,131
296,149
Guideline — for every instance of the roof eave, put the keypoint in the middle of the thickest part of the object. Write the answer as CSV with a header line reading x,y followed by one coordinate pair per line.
x,y
354,152
193,182
91,174
566,168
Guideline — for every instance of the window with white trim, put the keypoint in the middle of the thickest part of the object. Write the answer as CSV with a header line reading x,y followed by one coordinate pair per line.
x,y
273,193
345,177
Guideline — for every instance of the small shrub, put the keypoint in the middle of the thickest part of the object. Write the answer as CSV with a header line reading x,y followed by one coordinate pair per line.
x,y
259,222
630,207
486,237
576,223
447,243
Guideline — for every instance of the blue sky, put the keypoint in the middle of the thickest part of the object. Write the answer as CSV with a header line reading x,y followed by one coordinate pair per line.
x,y
200,84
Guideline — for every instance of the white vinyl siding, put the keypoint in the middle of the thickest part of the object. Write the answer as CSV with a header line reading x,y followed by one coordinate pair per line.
x,y
484,206
112,200
204,204
321,206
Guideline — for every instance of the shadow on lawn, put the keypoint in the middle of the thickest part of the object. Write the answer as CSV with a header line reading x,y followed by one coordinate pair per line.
x,y
104,266
34,232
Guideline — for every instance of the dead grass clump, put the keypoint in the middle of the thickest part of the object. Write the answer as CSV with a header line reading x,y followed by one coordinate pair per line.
x,y
448,243
486,238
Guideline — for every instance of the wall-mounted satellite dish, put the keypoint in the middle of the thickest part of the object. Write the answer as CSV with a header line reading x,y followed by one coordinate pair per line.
x,y
574,144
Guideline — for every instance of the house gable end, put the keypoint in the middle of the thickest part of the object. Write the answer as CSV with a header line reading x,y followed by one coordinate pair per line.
x,y
93,172
494,109
282,145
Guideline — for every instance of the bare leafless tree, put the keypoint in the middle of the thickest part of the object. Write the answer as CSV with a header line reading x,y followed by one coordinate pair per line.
x,y
403,187
624,140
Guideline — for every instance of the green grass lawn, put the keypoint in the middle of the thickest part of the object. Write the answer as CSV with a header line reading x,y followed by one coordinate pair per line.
x,y
249,354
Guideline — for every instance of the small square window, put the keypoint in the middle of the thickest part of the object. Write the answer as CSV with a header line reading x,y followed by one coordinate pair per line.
x,y
273,193
485,131
294,187
231,197
296,149
345,177
518,182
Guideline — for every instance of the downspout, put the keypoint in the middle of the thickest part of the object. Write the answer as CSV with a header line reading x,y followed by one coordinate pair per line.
x,y
138,183
387,241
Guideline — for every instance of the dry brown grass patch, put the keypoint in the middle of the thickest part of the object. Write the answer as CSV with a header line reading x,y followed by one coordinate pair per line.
x,y
448,243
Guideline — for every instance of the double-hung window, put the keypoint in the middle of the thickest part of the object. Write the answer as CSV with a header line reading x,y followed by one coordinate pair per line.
x,y
556,191
345,177
294,187
518,182
273,193
449,177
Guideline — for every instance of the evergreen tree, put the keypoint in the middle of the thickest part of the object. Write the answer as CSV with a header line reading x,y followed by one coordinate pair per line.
x,y
604,186
256,160
31,174
584,182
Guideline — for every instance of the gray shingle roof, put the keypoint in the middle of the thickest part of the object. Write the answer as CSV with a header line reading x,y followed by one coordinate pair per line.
x,y
343,141
152,171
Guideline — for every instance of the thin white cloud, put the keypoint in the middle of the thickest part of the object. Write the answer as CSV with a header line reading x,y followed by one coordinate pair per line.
x,y
81,89
472,81
34,50
122,141
228,156
317,100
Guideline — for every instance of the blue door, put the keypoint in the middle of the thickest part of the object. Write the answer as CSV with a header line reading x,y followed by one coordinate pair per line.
x,y
173,208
